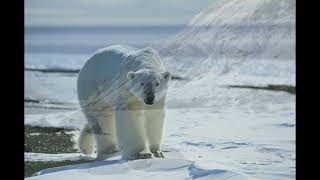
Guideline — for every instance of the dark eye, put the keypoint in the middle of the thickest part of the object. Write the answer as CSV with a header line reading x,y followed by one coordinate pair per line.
x,y
157,84
142,84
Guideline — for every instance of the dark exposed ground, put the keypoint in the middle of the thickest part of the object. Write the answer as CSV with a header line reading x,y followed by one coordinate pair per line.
x,y
285,88
54,70
174,77
48,140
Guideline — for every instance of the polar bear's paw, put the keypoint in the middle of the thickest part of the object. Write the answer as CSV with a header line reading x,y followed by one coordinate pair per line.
x,y
143,155
107,154
157,153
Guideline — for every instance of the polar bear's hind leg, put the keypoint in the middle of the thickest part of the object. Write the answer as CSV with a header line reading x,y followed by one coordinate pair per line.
x,y
103,128
86,141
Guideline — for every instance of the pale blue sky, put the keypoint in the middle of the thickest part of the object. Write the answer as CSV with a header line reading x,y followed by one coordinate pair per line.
x,y
111,12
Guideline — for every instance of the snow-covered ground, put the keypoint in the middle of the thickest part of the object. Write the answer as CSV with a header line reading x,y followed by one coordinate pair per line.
x,y
246,131
173,167
212,131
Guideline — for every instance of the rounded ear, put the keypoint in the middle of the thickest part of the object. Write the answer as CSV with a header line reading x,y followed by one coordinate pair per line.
x,y
166,75
130,75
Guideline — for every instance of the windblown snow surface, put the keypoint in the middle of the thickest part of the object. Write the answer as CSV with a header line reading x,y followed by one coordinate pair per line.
x,y
212,132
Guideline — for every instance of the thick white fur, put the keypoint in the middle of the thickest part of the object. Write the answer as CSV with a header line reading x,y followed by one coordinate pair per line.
x,y
86,140
111,97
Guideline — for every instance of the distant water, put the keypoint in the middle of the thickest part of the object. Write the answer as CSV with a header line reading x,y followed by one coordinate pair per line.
x,y
85,40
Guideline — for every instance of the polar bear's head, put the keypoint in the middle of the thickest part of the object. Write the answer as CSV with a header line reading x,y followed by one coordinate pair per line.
x,y
148,85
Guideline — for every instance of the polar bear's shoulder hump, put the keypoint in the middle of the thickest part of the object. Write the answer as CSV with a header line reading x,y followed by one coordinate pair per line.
x,y
121,49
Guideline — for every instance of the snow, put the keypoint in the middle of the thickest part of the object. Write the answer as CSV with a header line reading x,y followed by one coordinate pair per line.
x,y
170,168
69,119
238,29
248,131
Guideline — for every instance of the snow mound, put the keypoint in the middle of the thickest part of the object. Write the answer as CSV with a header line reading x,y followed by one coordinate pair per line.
x,y
238,29
138,169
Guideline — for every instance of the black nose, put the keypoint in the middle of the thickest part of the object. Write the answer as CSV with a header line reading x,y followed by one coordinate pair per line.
x,y
149,98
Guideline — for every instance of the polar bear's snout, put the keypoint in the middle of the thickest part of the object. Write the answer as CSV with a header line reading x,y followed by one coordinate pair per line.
x,y
149,94
149,99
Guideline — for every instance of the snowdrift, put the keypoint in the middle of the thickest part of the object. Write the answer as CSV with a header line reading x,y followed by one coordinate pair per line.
x,y
169,168
238,29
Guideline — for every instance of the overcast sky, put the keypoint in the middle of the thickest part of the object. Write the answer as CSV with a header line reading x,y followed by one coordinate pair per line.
x,y
111,12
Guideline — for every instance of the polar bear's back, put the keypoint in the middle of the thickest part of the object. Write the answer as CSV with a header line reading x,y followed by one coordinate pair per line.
x,y
108,67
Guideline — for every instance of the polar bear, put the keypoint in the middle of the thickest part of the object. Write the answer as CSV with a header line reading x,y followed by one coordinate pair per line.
x,y
122,91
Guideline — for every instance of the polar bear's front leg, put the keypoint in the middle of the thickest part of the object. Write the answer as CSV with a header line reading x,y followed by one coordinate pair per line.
x,y
154,124
131,135
154,129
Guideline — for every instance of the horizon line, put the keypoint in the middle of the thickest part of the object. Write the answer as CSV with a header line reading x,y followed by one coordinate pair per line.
x,y
102,26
